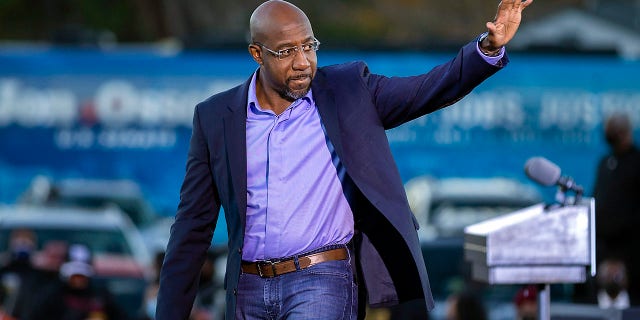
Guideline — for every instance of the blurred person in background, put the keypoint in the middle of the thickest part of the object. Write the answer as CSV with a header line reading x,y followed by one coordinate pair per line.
x,y
74,297
148,311
17,272
204,303
49,261
465,305
298,157
46,268
526,303
4,315
612,285
617,195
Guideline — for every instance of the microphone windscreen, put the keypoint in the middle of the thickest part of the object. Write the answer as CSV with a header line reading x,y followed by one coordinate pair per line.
x,y
542,171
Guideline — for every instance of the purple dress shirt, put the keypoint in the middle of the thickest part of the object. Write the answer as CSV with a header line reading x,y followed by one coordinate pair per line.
x,y
295,200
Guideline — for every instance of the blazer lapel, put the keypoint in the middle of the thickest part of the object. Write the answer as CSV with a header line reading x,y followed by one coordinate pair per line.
x,y
328,109
235,133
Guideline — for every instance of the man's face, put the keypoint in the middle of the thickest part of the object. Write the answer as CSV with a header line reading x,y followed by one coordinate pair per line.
x,y
289,76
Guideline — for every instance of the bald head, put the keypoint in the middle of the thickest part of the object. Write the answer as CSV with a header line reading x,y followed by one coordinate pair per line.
x,y
274,17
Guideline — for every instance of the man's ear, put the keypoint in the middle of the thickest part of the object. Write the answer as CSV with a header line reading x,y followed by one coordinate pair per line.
x,y
256,53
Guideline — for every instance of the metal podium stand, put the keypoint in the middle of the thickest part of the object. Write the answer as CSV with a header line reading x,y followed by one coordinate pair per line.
x,y
535,245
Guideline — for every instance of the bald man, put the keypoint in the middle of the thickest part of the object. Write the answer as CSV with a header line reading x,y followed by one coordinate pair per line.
x,y
318,221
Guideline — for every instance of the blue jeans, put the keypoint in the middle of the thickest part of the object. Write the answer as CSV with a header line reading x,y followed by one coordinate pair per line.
x,y
323,291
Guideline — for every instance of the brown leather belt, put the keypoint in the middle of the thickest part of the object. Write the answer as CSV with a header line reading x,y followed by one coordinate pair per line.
x,y
269,269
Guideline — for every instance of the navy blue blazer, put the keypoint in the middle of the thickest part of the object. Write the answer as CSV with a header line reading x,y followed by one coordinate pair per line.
x,y
356,107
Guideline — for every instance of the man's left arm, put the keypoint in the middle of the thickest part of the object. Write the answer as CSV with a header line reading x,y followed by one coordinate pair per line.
x,y
403,99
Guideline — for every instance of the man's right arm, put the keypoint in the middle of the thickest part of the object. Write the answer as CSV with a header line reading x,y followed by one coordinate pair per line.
x,y
191,232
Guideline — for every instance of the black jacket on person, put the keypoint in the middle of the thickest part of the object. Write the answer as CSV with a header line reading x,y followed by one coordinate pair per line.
x,y
61,302
356,107
617,195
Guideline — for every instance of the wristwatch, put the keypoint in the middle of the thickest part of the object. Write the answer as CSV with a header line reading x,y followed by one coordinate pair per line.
x,y
490,53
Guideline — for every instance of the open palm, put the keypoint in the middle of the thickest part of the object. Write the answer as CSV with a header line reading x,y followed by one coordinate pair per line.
x,y
506,23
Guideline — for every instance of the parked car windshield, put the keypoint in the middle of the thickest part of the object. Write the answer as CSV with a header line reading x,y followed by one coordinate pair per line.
x,y
451,216
444,207
91,194
138,212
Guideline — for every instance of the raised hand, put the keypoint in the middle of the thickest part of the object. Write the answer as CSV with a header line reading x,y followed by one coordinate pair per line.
x,y
504,26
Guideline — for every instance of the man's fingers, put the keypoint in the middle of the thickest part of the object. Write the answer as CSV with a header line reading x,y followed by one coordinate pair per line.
x,y
508,5
491,27
526,3
507,9
495,29
521,4
507,20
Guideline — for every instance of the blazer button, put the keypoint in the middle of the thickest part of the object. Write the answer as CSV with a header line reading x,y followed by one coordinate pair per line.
x,y
239,250
235,292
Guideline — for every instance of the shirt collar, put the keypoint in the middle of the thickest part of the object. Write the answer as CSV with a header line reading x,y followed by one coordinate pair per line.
x,y
252,99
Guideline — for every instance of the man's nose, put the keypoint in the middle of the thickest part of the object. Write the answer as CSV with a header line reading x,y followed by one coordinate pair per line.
x,y
300,60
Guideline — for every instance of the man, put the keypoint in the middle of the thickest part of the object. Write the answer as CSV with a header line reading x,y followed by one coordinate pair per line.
x,y
297,156
18,274
616,192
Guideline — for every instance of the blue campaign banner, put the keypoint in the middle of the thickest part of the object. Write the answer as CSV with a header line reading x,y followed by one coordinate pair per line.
x,y
127,113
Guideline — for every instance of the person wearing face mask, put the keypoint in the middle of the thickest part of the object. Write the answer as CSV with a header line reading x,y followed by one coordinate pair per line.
x,y
617,190
612,285
17,273
75,296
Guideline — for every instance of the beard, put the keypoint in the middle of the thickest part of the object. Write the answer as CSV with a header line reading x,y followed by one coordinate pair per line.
x,y
292,94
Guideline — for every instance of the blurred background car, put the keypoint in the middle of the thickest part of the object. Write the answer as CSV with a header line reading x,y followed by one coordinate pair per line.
x,y
443,208
124,194
120,257
156,235
91,193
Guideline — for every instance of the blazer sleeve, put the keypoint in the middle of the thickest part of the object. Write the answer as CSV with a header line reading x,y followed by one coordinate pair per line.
x,y
191,232
401,99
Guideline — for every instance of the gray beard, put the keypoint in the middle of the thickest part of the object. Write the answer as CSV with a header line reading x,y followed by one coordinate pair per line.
x,y
294,95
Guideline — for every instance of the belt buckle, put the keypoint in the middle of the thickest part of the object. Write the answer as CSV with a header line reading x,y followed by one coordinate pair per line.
x,y
265,263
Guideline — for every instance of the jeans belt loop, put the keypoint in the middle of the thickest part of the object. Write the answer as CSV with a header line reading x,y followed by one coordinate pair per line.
x,y
265,263
296,262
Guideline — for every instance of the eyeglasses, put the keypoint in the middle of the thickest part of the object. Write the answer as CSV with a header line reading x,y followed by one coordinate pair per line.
x,y
286,53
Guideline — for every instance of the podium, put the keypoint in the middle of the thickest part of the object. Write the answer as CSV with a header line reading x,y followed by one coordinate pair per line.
x,y
536,245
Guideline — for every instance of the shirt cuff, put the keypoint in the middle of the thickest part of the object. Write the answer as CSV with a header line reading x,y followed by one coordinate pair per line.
x,y
490,60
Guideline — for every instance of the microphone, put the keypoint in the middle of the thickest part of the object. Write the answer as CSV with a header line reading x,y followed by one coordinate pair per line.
x,y
548,173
